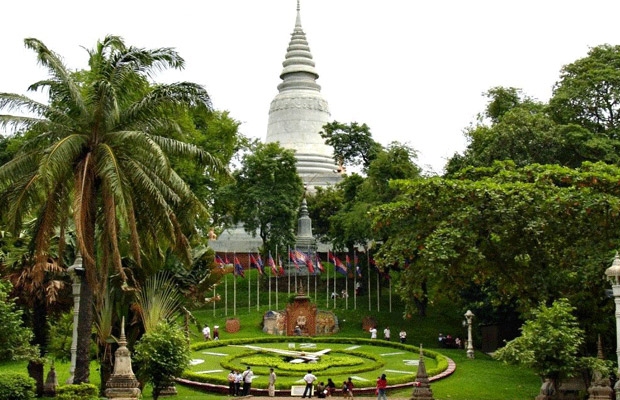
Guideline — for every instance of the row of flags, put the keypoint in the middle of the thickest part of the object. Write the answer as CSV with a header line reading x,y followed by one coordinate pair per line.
x,y
300,258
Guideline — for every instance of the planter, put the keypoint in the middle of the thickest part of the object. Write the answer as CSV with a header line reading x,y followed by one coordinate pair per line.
x,y
233,325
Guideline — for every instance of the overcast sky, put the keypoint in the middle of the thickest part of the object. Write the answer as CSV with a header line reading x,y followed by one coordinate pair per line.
x,y
414,71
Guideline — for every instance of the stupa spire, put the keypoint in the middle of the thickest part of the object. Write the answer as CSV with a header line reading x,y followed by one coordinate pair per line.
x,y
298,113
298,71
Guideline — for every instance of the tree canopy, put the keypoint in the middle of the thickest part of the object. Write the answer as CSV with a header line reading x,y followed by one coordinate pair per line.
x,y
97,157
520,235
266,195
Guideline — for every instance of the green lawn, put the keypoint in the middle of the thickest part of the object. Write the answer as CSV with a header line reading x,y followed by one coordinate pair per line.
x,y
479,379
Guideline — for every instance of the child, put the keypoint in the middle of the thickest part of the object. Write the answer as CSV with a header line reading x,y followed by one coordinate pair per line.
x,y
345,389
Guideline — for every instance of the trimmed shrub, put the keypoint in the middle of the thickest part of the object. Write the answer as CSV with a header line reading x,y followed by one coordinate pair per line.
x,y
15,386
83,391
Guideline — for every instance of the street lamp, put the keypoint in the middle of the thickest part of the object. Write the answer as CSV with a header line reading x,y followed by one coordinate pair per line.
x,y
613,275
76,271
470,345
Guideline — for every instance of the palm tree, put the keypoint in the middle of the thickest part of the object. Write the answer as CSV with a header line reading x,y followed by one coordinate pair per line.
x,y
97,156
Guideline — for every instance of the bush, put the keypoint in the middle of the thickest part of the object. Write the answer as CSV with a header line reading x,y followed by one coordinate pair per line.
x,y
83,391
15,386
14,337
161,354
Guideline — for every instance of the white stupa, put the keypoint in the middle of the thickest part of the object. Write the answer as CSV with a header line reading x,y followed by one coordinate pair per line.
x,y
299,111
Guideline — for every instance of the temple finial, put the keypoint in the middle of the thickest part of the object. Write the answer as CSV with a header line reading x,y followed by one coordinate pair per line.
x,y
298,8
122,340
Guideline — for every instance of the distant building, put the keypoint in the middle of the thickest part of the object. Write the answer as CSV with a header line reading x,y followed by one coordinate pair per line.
x,y
299,111
296,116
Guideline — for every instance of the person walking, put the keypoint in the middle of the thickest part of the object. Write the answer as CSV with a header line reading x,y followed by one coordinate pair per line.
x,y
381,387
247,380
238,379
386,333
309,379
402,336
350,385
231,383
373,332
206,332
272,383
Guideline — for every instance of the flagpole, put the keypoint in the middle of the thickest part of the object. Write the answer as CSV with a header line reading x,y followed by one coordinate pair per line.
x,y
234,289
346,290
390,293
214,295
354,279
288,269
327,286
258,289
271,277
277,276
315,274
226,295
378,284
368,265
334,260
249,287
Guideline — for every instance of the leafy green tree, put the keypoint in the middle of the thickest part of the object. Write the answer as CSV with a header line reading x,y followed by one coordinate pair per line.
x,y
518,128
549,343
161,355
324,203
588,92
97,156
14,337
353,143
502,100
521,235
266,195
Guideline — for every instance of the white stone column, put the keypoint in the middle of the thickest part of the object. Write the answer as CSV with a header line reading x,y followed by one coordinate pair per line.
x,y
75,271
470,343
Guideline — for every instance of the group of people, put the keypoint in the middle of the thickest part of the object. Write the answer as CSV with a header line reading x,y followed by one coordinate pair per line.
x,y
237,378
322,389
449,342
206,332
402,336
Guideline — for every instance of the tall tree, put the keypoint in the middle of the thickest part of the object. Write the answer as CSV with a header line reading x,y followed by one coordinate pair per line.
x,y
521,235
267,195
97,155
588,92
353,143
518,128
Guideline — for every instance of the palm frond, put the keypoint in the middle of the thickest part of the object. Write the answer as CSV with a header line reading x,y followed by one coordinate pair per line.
x,y
55,66
158,300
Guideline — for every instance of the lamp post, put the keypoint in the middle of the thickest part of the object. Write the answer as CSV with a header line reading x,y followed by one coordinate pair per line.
x,y
76,271
613,274
470,345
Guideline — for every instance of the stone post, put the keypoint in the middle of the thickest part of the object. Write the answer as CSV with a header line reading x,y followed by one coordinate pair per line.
x,y
75,271
470,343
613,274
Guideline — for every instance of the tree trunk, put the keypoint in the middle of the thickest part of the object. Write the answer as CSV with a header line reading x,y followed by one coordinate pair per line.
x,y
35,371
89,280
84,332
39,325
421,304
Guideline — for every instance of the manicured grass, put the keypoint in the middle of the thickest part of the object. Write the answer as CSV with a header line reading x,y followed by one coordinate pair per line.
x,y
480,379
